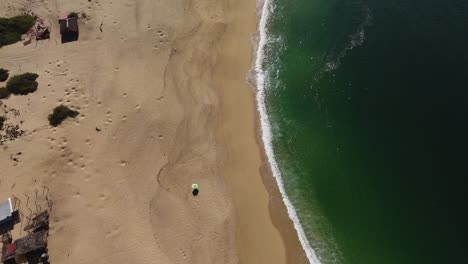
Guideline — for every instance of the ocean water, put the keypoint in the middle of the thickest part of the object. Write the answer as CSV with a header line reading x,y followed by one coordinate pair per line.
x,y
364,110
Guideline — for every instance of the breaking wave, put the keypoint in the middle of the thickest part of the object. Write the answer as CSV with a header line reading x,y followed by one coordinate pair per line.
x,y
266,130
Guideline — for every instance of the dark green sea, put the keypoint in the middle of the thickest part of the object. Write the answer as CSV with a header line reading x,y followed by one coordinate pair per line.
x,y
367,104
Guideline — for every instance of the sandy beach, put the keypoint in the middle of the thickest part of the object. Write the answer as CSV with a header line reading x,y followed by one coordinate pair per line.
x,y
164,102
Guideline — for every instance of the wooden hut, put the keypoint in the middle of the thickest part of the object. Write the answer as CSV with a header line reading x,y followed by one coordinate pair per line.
x,y
69,28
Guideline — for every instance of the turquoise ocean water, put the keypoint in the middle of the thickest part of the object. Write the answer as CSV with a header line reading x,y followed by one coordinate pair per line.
x,y
367,104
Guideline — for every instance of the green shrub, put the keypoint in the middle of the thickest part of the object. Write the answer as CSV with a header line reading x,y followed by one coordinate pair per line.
x,y
22,84
2,121
4,93
3,75
61,113
12,28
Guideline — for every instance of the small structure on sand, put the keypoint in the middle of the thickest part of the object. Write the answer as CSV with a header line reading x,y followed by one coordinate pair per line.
x,y
69,28
195,190
38,32
28,249
31,248
8,216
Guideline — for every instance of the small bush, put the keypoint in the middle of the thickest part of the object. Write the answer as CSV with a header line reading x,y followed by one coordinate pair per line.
x,y
61,113
2,121
22,84
4,93
3,75
12,28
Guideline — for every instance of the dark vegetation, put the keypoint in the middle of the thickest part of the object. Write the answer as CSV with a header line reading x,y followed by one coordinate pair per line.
x,y
22,84
4,93
3,75
61,113
2,121
12,28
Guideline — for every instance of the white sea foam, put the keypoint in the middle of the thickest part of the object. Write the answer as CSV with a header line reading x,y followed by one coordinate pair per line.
x,y
266,131
355,40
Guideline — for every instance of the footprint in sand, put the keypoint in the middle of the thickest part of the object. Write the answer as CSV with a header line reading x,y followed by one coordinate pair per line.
x,y
114,232
182,252
87,178
108,121
103,197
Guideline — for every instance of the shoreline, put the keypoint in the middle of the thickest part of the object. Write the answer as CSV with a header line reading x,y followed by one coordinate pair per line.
x,y
266,135
261,170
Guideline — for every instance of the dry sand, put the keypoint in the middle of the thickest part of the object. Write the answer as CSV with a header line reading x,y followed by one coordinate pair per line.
x,y
165,83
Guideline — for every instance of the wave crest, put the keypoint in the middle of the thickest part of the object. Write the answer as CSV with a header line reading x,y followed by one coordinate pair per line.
x,y
266,131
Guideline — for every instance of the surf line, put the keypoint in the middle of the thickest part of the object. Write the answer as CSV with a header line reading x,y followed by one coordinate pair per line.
x,y
266,131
